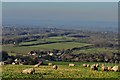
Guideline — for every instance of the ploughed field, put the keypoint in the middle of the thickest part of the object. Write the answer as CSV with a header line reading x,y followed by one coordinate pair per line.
x,y
63,71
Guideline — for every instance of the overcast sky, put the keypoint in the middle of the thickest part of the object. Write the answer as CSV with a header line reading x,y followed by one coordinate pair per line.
x,y
61,13
59,0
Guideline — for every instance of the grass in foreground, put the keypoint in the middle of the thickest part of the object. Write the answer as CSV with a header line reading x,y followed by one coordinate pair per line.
x,y
64,71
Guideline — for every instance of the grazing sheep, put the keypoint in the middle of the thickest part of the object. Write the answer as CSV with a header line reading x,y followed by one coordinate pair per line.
x,y
28,71
71,65
97,65
104,68
2,63
93,67
20,64
88,65
103,64
109,68
84,65
116,68
50,64
55,67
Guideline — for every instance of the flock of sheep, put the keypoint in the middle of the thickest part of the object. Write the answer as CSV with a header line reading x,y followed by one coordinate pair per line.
x,y
92,67
32,70
103,67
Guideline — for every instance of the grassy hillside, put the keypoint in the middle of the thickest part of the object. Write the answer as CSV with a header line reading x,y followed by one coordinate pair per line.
x,y
63,71
94,50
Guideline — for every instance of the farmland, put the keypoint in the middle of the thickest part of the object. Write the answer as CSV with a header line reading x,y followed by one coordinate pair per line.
x,y
26,49
60,47
59,41
50,39
95,50
63,71
50,43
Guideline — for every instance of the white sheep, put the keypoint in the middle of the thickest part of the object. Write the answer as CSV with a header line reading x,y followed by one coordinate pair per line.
x,y
88,65
104,68
116,68
71,65
93,67
84,65
28,71
50,64
55,67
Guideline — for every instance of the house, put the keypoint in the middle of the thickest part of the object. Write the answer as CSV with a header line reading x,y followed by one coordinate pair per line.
x,y
51,54
33,53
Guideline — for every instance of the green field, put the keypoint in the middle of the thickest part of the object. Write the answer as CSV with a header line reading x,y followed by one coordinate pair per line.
x,y
26,49
57,44
50,39
63,45
63,71
95,50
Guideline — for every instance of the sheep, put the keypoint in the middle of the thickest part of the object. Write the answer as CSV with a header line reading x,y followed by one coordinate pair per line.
x,y
116,68
50,64
109,68
2,63
103,64
104,68
55,66
97,65
93,67
71,65
84,65
28,71
88,65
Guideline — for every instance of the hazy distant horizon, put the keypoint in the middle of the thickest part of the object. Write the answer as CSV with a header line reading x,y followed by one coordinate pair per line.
x,y
74,14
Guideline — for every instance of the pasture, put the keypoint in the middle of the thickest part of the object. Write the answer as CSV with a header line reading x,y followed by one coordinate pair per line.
x,y
50,43
95,51
49,39
63,71
26,49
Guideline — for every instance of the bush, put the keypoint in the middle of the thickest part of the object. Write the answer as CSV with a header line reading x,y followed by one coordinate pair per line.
x,y
4,55
10,60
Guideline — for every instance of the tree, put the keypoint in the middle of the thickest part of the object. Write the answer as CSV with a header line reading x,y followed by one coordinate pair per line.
x,y
10,60
4,55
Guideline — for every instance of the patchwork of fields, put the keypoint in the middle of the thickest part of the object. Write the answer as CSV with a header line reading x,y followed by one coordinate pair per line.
x,y
48,40
26,49
63,71
58,43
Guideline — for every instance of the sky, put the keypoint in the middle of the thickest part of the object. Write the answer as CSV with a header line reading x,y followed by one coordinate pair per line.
x,y
60,13
59,0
